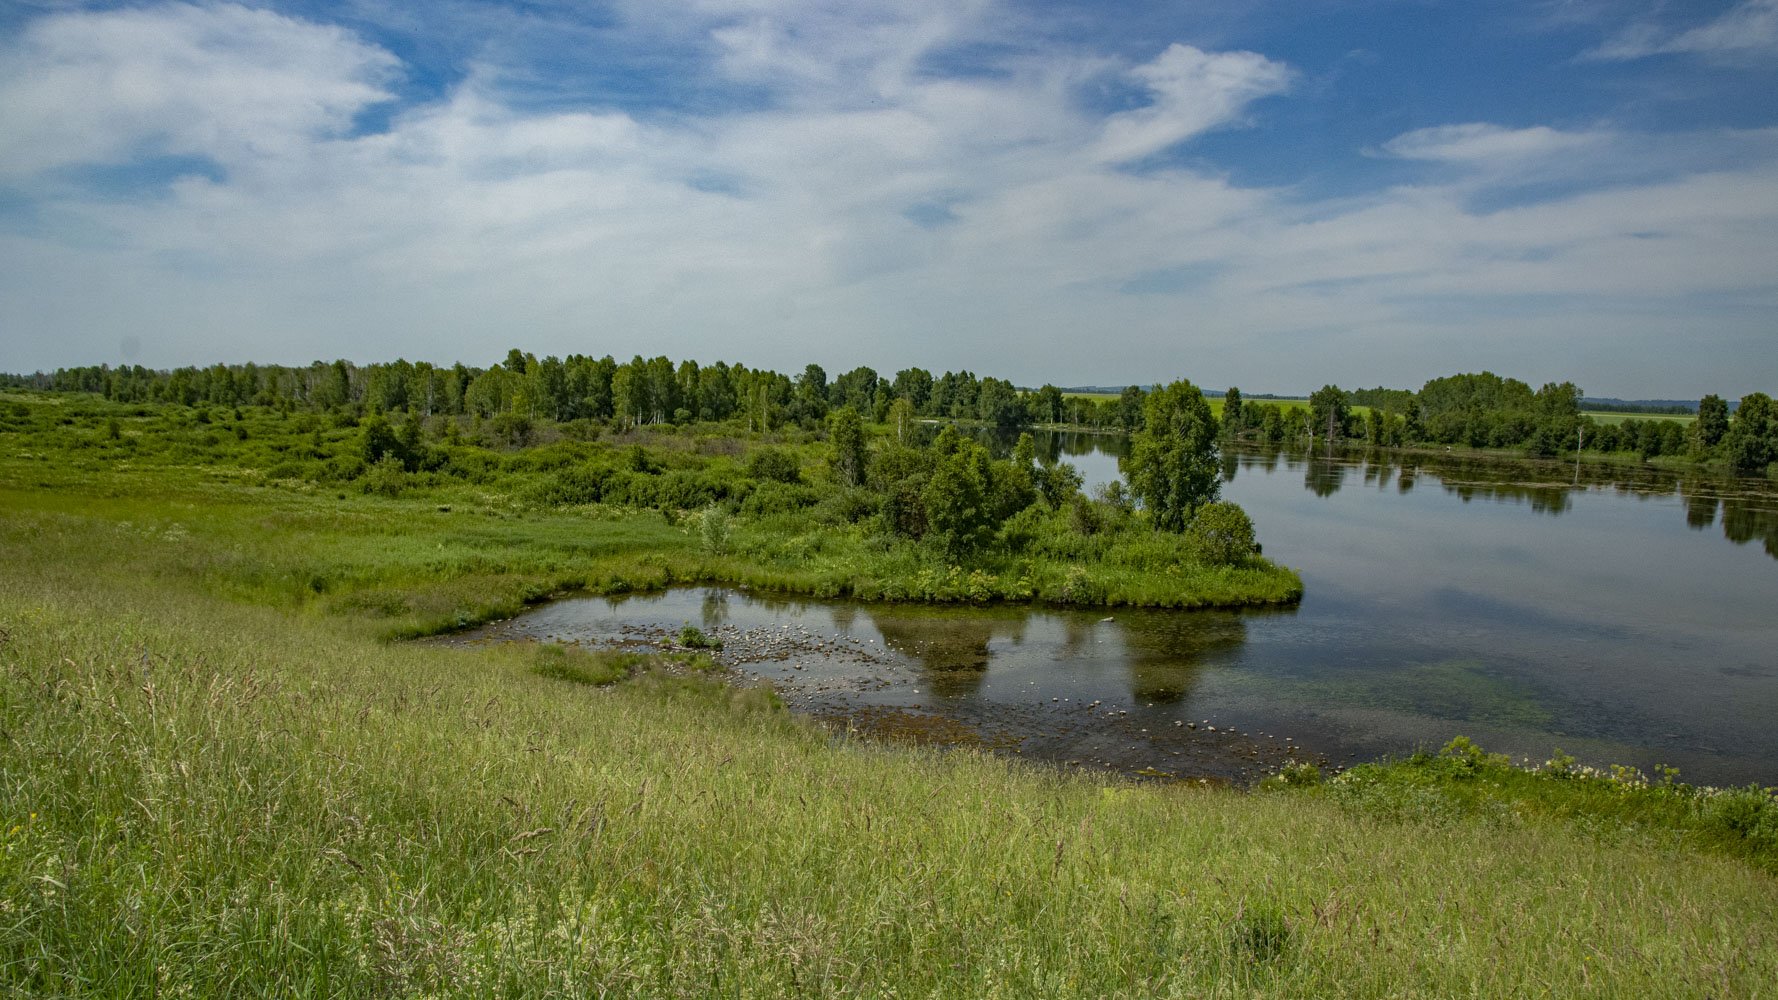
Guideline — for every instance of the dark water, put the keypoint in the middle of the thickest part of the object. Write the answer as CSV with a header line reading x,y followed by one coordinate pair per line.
x,y
1624,616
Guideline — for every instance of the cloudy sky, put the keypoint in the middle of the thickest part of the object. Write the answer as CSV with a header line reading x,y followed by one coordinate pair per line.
x,y
1271,194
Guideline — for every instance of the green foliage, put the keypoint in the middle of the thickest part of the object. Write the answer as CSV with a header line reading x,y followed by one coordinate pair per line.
x,y
1233,416
846,430
1221,533
1173,460
958,510
1713,420
774,464
1328,412
715,528
1752,439
692,637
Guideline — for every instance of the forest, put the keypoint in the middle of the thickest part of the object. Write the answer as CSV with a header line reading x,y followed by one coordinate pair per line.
x,y
506,402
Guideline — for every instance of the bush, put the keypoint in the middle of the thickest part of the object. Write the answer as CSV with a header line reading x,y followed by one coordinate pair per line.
x,y
1221,534
778,498
692,637
714,527
774,465
571,487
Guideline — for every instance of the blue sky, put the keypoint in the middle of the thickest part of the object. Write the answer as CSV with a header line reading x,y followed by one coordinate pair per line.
x,y
1270,194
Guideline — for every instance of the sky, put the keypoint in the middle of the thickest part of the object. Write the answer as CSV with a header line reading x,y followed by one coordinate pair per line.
x,y
1275,194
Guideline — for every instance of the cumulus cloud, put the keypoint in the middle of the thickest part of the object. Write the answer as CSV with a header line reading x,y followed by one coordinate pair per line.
x,y
225,82
893,215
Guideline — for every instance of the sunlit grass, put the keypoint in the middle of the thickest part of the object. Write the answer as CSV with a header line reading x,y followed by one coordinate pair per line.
x,y
214,797
219,777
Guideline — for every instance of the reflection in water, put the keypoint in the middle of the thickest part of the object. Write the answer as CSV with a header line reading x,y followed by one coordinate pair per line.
x,y
1743,522
1165,653
715,609
1615,633
1323,475
950,644
1747,508
1700,507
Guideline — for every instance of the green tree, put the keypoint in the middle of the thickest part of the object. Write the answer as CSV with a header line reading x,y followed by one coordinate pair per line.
x,y
1753,436
810,403
846,429
1173,464
999,404
1221,533
1327,412
901,418
957,501
1232,414
1713,420
1129,408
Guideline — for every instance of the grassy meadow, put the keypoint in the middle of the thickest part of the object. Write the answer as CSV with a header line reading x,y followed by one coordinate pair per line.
x,y
221,775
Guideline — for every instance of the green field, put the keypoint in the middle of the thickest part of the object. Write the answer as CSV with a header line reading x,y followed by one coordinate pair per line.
x,y
1601,417
219,778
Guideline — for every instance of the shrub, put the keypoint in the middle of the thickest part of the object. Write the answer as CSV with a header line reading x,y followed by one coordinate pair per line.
x,y
692,637
714,528
774,465
778,498
1221,534
569,487
385,478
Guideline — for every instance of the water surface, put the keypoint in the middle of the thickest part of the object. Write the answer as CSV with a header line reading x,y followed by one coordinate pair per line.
x,y
1626,616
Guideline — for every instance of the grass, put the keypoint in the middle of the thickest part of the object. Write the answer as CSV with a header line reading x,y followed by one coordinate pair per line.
x,y
497,529
1610,418
218,777
213,797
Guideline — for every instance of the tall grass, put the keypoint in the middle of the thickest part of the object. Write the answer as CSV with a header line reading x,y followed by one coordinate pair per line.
x,y
216,781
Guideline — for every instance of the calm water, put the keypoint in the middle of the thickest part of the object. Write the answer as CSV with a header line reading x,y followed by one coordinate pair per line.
x,y
1623,616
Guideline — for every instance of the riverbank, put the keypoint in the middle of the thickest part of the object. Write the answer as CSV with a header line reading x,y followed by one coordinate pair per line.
x,y
465,531
206,794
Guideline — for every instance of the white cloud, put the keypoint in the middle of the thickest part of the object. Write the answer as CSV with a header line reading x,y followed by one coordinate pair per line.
x,y
782,233
1750,28
1484,143
224,82
1193,91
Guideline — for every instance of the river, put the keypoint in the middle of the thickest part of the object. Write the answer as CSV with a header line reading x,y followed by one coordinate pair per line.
x,y
1623,615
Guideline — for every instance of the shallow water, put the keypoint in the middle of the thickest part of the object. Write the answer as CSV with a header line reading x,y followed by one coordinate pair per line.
x,y
1624,616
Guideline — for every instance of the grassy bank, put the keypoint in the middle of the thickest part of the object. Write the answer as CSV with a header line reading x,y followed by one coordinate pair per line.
x,y
468,524
209,788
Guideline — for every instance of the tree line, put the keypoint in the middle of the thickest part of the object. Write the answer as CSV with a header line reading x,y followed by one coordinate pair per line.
x,y
641,391
1477,410
1487,411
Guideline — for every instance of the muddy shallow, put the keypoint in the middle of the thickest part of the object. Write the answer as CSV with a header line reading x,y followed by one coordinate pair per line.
x,y
1083,688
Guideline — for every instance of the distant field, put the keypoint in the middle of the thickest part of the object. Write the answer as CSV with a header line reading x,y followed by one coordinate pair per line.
x,y
1618,418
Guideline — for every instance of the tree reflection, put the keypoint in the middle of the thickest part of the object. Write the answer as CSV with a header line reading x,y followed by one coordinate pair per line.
x,y
714,611
1700,507
950,644
1164,651
1323,475
1748,519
